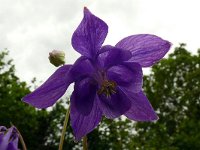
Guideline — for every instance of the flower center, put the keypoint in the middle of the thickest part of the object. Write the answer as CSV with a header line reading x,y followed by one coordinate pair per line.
x,y
107,88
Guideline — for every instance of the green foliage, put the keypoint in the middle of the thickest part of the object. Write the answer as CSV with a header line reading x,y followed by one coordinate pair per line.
x,y
172,87
114,134
25,118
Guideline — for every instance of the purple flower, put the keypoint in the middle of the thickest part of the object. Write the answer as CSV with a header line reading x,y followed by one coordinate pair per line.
x,y
107,79
8,138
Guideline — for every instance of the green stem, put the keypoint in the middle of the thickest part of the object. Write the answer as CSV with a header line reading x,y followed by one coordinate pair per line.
x,y
64,129
85,146
21,140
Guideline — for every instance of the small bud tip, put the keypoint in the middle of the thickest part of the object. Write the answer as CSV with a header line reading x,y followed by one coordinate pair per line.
x,y
57,58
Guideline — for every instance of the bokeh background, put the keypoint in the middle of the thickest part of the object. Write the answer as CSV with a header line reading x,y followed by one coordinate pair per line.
x,y
30,29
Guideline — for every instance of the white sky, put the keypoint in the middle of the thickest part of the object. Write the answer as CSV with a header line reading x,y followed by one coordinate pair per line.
x,y
30,29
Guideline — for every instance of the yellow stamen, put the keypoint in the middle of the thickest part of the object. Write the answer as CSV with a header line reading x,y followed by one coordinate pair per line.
x,y
107,88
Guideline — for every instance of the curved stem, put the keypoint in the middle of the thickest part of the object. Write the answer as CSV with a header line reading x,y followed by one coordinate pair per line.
x,y
21,140
64,129
85,146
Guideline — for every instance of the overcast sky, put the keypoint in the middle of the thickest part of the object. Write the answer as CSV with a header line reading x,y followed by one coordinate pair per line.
x,y
30,29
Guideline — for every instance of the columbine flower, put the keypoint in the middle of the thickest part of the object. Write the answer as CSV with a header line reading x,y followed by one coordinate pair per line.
x,y
108,79
8,138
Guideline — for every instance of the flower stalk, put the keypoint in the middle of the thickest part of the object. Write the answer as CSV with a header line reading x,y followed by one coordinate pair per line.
x,y
21,140
85,146
64,129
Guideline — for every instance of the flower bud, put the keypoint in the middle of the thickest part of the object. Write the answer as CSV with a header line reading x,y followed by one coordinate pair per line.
x,y
57,58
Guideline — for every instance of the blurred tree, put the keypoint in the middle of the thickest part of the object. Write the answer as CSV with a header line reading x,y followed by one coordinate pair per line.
x,y
114,134
173,89
31,123
56,118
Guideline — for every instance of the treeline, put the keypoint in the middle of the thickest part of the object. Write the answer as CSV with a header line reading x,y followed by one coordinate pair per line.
x,y
172,87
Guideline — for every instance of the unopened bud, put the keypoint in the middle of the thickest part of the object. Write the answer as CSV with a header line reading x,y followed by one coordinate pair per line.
x,y
57,58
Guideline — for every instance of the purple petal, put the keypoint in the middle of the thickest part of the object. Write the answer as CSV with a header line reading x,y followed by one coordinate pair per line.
x,y
141,109
115,105
7,135
2,132
83,95
113,56
12,146
146,49
90,35
105,48
82,68
5,140
50,91
128,75
1,137
3,128
81,124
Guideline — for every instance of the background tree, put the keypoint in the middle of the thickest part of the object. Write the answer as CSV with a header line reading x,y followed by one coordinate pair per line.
x,y
12,110
173,89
